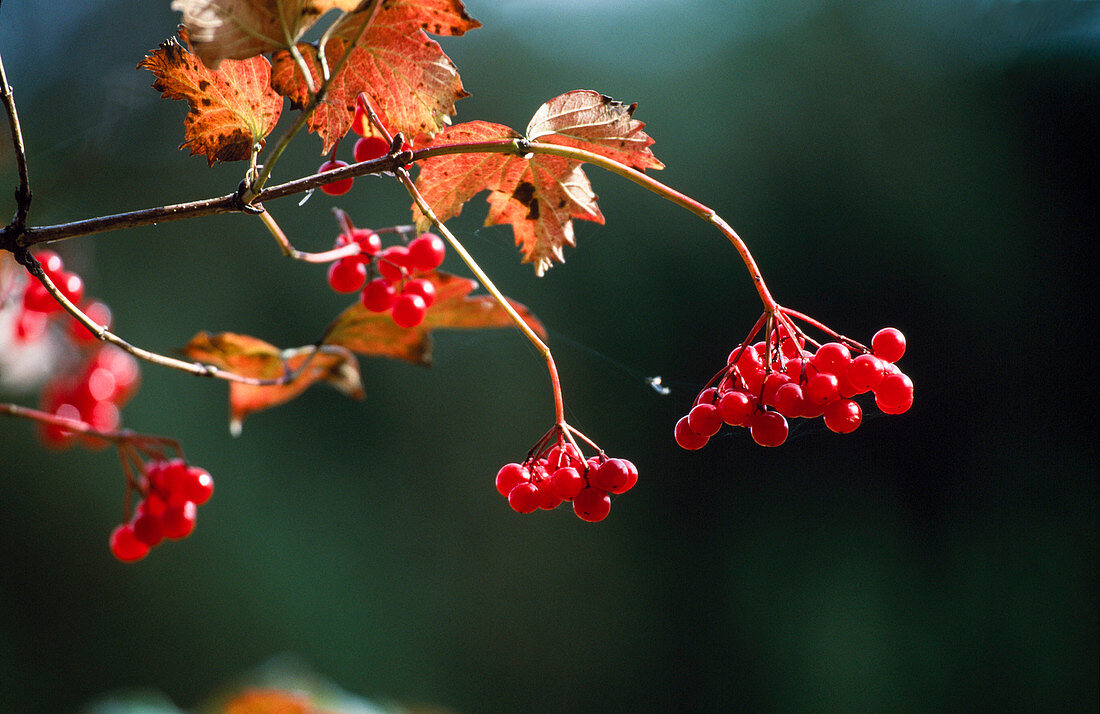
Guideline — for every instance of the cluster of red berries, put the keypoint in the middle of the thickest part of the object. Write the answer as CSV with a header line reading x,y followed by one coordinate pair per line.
x,y
93,394
38,306
762,394
173,490
370,146
563,474
397,284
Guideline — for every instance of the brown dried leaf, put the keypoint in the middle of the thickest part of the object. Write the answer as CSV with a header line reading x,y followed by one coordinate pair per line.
x,y
375,334
239,29
230,108
252,357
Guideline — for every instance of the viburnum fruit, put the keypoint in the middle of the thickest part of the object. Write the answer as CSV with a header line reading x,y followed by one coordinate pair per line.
x,y
171,490
369,148
347,275
766,383
556,471
336,188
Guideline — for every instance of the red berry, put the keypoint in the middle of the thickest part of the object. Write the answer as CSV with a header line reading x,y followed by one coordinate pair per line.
x,y
427,252
736,408
336,188
592,504
393,262
370,147
50,261
524,498
768,428
30,325
198,486
147,529
423,287
843,416
789,400
36,298
888,344
631,477
562,455
832,357
865,372
704,420
368,240
567,482
686,437
611,475
894,393
821,388
547,499
379,295
707,396
360,123
510,476
178,521
347,275
409,310
772,383
125,546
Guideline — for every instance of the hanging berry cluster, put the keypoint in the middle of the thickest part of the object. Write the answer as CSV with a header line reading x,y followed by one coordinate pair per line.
x,y
556,471
171,490
766,383
389,278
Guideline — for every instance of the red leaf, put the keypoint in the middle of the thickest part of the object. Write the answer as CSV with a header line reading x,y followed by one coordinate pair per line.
x,y
252,357
541,194
376,335
412,84
239,29
231,108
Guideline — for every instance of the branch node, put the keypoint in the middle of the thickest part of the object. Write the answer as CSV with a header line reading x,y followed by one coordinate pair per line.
x,y
242,199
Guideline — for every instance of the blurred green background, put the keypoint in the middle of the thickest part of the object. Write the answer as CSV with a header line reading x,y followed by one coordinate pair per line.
x,y
931,166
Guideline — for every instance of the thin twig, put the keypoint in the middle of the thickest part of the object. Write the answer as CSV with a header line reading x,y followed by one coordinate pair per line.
x,y
23,193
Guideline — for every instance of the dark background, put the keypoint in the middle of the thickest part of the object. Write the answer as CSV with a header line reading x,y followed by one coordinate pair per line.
x,y
931,166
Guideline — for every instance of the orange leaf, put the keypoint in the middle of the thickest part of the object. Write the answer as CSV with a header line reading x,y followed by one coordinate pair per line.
x,y
239,29
269,701
252,357
375,334
541,194
412,84
231,108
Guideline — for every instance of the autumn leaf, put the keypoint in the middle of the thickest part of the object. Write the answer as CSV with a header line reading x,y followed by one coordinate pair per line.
x,y
230,108
375,334
252,357
411,83
239,29
538,195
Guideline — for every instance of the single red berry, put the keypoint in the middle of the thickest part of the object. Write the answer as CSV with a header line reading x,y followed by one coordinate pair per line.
x,y
36,298
198,486
567,482
704,420
772,383
379,295
865,372
50,261
843,416
409,310
747,358
178,521
888,344
789,400
427,252
611,476
562,455
631,477
125,546
336,188
768,428
510,476
832,357
369,241
686,437
347,275
548,500
524,498
100,384
393,262
592,504
736,408
371,147
707,396
171,478
423,287
821,388
894,394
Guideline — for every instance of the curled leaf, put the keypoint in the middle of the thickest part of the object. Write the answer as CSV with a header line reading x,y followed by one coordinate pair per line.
x,y
251,357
